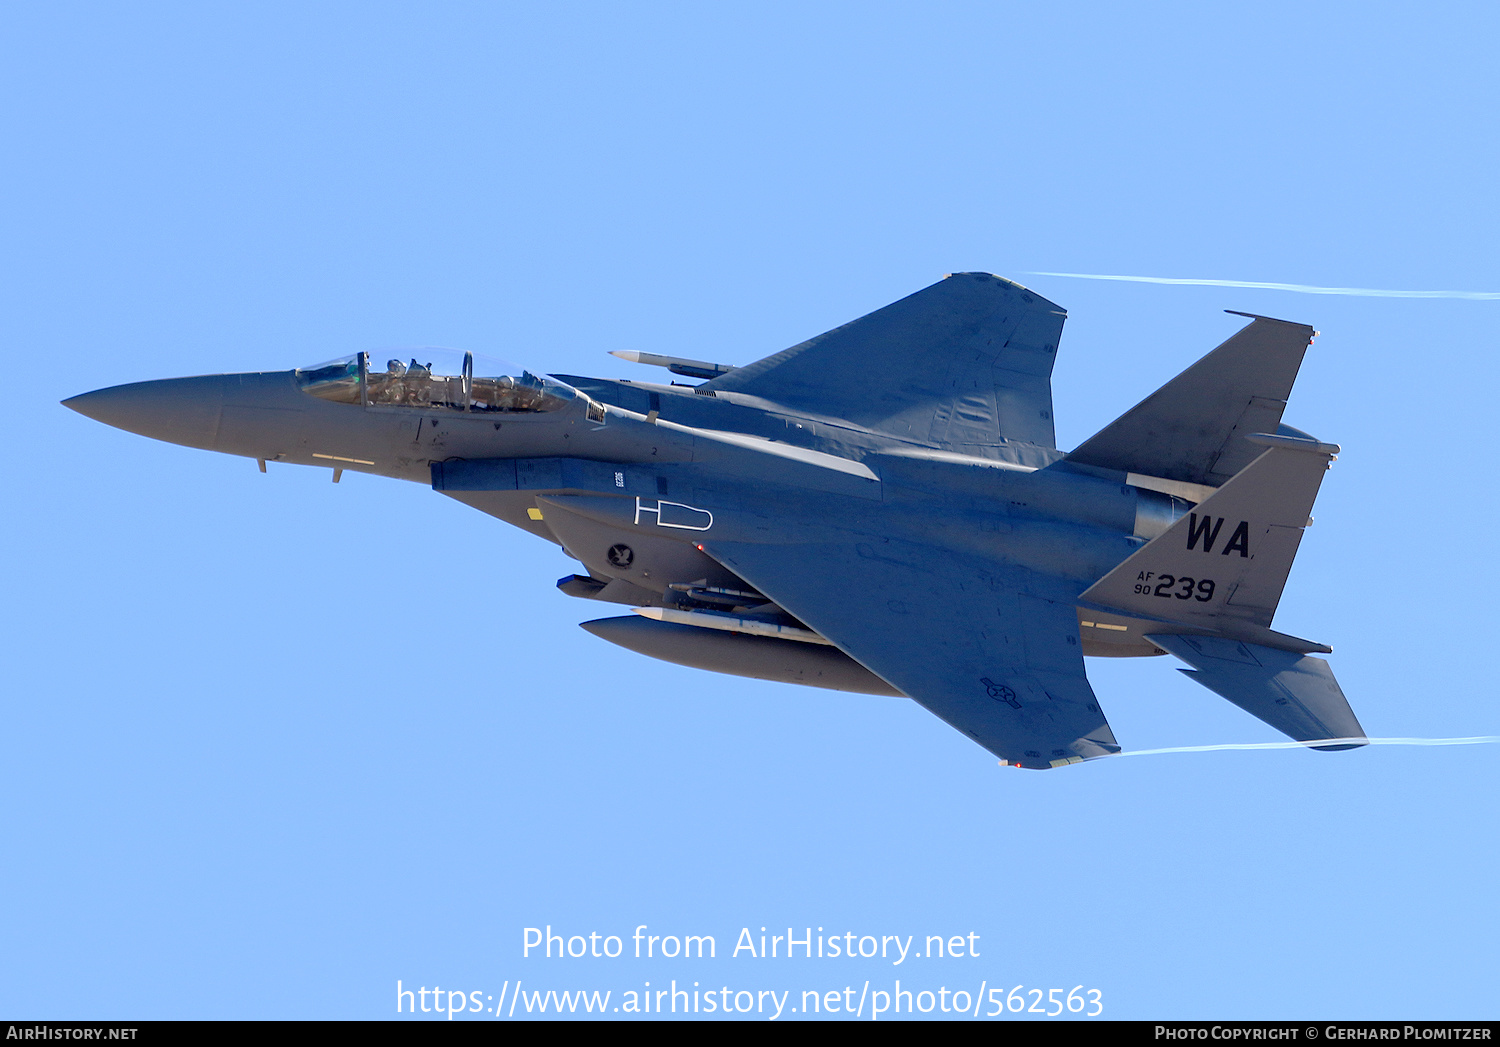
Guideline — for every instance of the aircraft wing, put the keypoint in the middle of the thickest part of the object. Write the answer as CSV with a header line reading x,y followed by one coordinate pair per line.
x,y
991,649
967,361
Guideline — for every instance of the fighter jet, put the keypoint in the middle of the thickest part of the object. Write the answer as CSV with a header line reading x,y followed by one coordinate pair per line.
x,y
879,509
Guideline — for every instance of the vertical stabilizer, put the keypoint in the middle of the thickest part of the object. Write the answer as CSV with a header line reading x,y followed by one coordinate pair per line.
x,y
1229,557
1194,428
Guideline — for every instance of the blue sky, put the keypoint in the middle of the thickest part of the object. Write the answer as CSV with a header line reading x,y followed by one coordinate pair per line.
x,y
274,744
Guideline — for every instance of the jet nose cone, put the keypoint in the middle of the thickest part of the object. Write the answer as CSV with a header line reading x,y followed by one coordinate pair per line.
x,y
178,410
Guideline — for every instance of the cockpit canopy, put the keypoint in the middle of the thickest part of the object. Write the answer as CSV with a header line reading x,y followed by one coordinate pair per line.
x,y
434,379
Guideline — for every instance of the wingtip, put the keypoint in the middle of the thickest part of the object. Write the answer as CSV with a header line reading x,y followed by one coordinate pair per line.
x,y
1006,281
1337,745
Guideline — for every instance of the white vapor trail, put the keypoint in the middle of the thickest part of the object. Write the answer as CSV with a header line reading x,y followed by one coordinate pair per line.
x,y
1356,292
1483,739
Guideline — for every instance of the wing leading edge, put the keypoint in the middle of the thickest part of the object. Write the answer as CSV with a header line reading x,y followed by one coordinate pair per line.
x,y
969,641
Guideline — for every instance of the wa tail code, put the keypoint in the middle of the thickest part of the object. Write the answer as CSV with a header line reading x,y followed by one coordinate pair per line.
x,y
1207,531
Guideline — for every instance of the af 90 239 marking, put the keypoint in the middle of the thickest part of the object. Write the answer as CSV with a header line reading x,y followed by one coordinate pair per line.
x,y
1170,587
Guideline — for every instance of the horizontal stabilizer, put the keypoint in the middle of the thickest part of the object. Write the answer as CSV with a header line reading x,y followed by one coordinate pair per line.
x,y
1229,556
1192,429
1296,694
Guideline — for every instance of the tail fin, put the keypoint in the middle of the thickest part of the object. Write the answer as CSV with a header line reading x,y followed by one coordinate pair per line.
x,y
1229,557
1194,428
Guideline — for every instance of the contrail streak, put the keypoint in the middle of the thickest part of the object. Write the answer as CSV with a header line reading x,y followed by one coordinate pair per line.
x,y
1483,739
1355,292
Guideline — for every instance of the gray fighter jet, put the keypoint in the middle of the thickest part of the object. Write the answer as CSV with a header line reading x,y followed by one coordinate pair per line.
x,y
879,509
